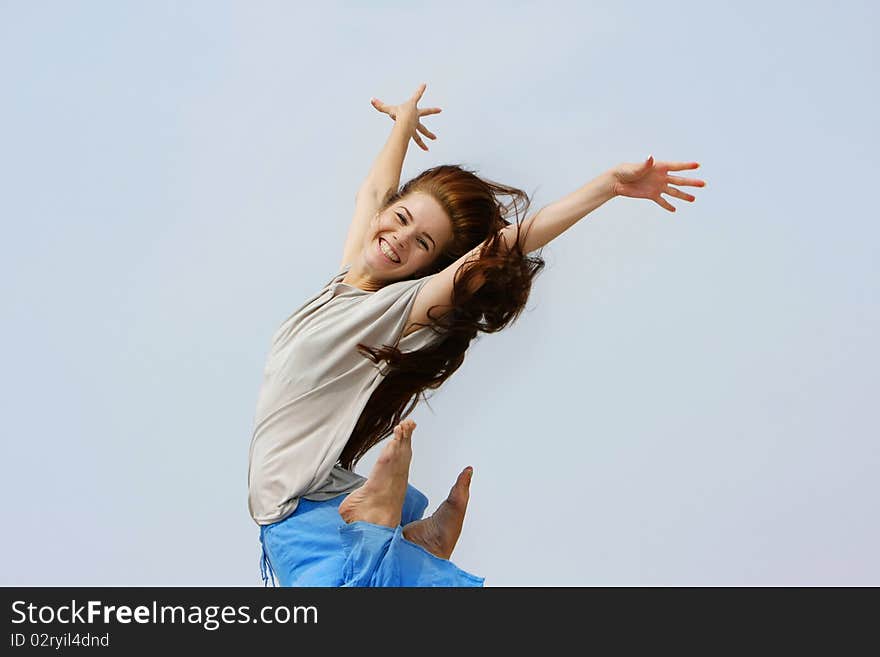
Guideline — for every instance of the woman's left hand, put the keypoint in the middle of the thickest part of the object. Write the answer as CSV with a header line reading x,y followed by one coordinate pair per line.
x,y
410,114
649,179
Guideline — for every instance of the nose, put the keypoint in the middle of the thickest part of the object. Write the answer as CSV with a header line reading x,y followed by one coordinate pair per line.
x,y
397,244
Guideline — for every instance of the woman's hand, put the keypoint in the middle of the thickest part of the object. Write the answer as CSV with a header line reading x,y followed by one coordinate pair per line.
x,y
409,114
649,179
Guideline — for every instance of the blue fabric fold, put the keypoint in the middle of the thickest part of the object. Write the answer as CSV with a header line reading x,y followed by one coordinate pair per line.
x,y
314,546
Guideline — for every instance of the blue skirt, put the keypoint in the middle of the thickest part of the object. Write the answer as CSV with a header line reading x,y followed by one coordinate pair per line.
x,y
314,546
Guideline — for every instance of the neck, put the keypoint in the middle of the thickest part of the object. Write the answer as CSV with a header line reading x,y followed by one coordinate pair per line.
x,y
358,277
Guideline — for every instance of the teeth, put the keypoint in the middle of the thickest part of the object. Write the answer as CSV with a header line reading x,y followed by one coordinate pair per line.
x,y
387,250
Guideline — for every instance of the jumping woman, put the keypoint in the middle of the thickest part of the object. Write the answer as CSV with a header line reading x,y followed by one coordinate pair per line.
x,y
425,267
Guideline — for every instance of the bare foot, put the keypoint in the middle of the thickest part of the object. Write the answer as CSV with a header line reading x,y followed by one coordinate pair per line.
x,y
439,533
380,499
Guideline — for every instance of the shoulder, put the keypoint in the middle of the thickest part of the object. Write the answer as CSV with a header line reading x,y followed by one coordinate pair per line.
x,y
402,287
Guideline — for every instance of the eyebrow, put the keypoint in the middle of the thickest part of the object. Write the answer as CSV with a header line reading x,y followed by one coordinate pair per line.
x,y
423,233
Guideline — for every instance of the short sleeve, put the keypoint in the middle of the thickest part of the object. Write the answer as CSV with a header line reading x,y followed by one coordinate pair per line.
x,y
381,316
386,311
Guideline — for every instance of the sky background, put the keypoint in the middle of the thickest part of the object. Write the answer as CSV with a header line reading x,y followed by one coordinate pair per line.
x,y
685,400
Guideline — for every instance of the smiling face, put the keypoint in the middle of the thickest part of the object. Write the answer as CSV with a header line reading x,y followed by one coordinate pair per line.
x,y
406,237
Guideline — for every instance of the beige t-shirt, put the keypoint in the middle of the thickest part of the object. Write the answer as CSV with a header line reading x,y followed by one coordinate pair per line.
x,y
315,385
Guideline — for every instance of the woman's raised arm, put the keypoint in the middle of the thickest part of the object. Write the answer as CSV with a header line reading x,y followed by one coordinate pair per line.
x,y
641,180
646,180
385,173
552,220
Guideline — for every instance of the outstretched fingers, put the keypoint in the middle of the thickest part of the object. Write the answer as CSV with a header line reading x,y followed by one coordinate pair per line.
x,y
663,203
690,182
382,107
418,94
425,131
679,194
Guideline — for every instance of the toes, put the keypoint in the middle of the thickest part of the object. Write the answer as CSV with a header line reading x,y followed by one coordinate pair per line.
x,y
401,435
406,428
460,491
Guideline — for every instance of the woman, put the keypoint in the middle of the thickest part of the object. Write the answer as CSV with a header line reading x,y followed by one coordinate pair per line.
x,y
424,269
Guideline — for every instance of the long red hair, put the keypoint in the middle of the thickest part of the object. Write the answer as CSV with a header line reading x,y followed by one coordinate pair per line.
x,y
472,205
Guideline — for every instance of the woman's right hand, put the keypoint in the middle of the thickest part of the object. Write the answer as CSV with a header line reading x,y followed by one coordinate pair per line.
x,y
409,114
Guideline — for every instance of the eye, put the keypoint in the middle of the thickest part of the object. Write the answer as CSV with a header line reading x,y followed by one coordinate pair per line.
x,y
403,221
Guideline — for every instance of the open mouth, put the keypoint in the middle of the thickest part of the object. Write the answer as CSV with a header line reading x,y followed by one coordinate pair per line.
x,y
388,250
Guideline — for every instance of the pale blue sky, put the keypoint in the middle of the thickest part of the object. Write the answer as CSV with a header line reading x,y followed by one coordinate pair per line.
x,y
685,401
